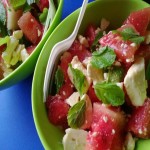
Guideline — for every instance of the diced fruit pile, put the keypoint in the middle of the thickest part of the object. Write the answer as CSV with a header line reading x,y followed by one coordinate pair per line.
x,y
21,29
101,96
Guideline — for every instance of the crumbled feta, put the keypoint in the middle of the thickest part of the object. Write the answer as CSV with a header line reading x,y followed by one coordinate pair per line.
x,y
133,44
74,139
86,61
97,30
24,55
140,131
39,33
117,63
73,99
113,131
95,74
94,134
130,60
104,24
105,118
83,41
120,84
105,76
129,142
32,20
147,37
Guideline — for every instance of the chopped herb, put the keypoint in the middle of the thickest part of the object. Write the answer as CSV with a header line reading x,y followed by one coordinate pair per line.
x,y
148,71
130,34
105,57
79,80
109,93
137,40
115,74
95,43
27,7
59,79
3,30
76,114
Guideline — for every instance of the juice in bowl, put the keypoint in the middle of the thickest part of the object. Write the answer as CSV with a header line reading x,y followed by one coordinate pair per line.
x,y
100,93
24,28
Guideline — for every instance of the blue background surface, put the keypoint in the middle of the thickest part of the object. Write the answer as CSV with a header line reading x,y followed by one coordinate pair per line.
x,y
17,129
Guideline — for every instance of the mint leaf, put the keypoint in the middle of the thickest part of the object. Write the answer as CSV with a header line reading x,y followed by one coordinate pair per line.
x,y
79,80
27,7
130,34
76,114
109,93
4,40
16,4
3,30
148,71
59,79
103,58
115,74
137,40
96,43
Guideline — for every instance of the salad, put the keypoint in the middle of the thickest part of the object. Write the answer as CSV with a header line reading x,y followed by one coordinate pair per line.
x,y
21,29
100,94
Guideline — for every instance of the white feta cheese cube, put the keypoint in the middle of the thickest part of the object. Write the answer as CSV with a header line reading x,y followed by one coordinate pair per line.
x,y
74,139
135,82
95,74
73,99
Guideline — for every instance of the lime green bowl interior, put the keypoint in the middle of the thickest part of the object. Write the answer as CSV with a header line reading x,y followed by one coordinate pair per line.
x,y
27,68
116,11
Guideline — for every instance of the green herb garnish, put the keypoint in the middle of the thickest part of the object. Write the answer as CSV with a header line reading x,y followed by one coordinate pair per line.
x,y
130,34
59,79
109,93
148,71
79,80
76,114
96,43
103,58
115,74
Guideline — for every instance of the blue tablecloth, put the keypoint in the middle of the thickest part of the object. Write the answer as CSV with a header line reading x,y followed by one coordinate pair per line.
x,y
17,129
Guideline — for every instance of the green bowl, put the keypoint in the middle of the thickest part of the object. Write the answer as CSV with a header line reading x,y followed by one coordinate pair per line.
x,y
116,11
27,68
